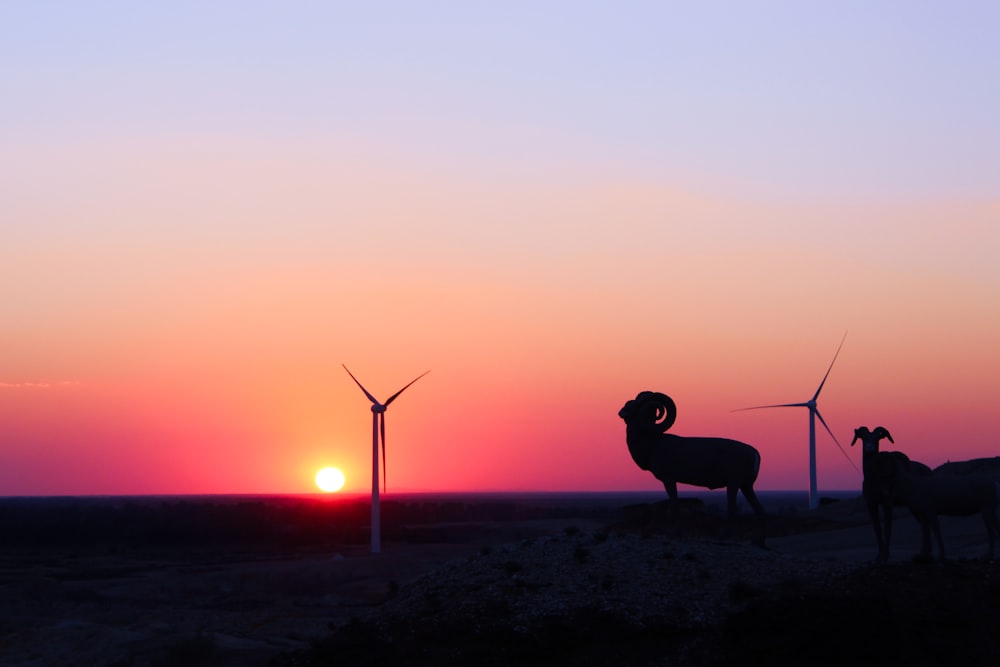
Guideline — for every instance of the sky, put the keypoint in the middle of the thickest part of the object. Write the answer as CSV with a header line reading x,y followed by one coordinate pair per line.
x,y
208,208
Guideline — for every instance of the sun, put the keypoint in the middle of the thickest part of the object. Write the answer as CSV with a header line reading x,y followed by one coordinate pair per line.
x,y
330,480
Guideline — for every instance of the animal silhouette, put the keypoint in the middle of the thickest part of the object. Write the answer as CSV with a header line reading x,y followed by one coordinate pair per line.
x,y
933,495
871,487
707,462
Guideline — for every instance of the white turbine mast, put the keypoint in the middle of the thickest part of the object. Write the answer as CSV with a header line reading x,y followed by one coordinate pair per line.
x,y
813,414
378,432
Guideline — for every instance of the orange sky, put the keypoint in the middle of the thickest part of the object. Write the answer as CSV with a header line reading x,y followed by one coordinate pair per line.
x,y
185,265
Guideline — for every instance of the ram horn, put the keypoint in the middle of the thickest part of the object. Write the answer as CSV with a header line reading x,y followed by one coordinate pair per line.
x,y
883,432
657,410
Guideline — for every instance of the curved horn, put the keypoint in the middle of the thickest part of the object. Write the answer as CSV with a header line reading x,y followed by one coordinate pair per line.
x,y
883,432
659,410
859,434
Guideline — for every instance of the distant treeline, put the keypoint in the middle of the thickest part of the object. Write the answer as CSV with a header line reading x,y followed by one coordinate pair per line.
x,y
292,521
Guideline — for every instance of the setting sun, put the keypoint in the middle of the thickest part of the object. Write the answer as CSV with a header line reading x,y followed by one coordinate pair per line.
x,y
330,480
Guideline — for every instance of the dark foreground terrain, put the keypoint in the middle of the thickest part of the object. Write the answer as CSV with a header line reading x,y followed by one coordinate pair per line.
x,y
896,615
698,600
480,582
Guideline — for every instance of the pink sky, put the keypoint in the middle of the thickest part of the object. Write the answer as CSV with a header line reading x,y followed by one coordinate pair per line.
x,y
186,264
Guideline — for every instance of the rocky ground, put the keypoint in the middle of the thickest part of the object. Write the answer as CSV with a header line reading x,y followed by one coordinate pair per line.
x,y
630,595
510,585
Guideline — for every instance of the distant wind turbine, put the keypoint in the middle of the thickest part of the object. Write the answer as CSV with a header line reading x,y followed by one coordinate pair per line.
x,y
813,414
378,429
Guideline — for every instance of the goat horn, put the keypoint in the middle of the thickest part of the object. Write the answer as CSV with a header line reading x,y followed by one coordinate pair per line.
x,y
859,434
883,432
662,407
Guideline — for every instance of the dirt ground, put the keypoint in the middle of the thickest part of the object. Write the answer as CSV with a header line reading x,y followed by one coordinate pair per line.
x,y
843,610
144,585
204,602
160,606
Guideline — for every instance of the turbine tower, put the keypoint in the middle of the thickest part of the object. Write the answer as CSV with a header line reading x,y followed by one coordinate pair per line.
x,y
813,414
378,429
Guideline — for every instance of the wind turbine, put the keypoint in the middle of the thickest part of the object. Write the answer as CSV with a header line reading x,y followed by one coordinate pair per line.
x,y
378,429
813,414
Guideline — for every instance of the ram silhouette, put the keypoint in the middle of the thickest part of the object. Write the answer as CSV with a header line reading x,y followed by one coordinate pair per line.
x,y
711,463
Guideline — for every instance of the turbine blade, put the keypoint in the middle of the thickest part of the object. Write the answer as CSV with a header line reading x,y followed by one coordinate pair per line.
x,y
382,425
842,450
778,405
370,397
816,395
393,397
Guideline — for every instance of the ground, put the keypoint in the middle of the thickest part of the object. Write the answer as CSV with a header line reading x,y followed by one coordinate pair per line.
x,y
484,583
709,602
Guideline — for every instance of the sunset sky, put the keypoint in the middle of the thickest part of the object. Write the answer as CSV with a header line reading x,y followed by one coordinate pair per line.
x,y
208,207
